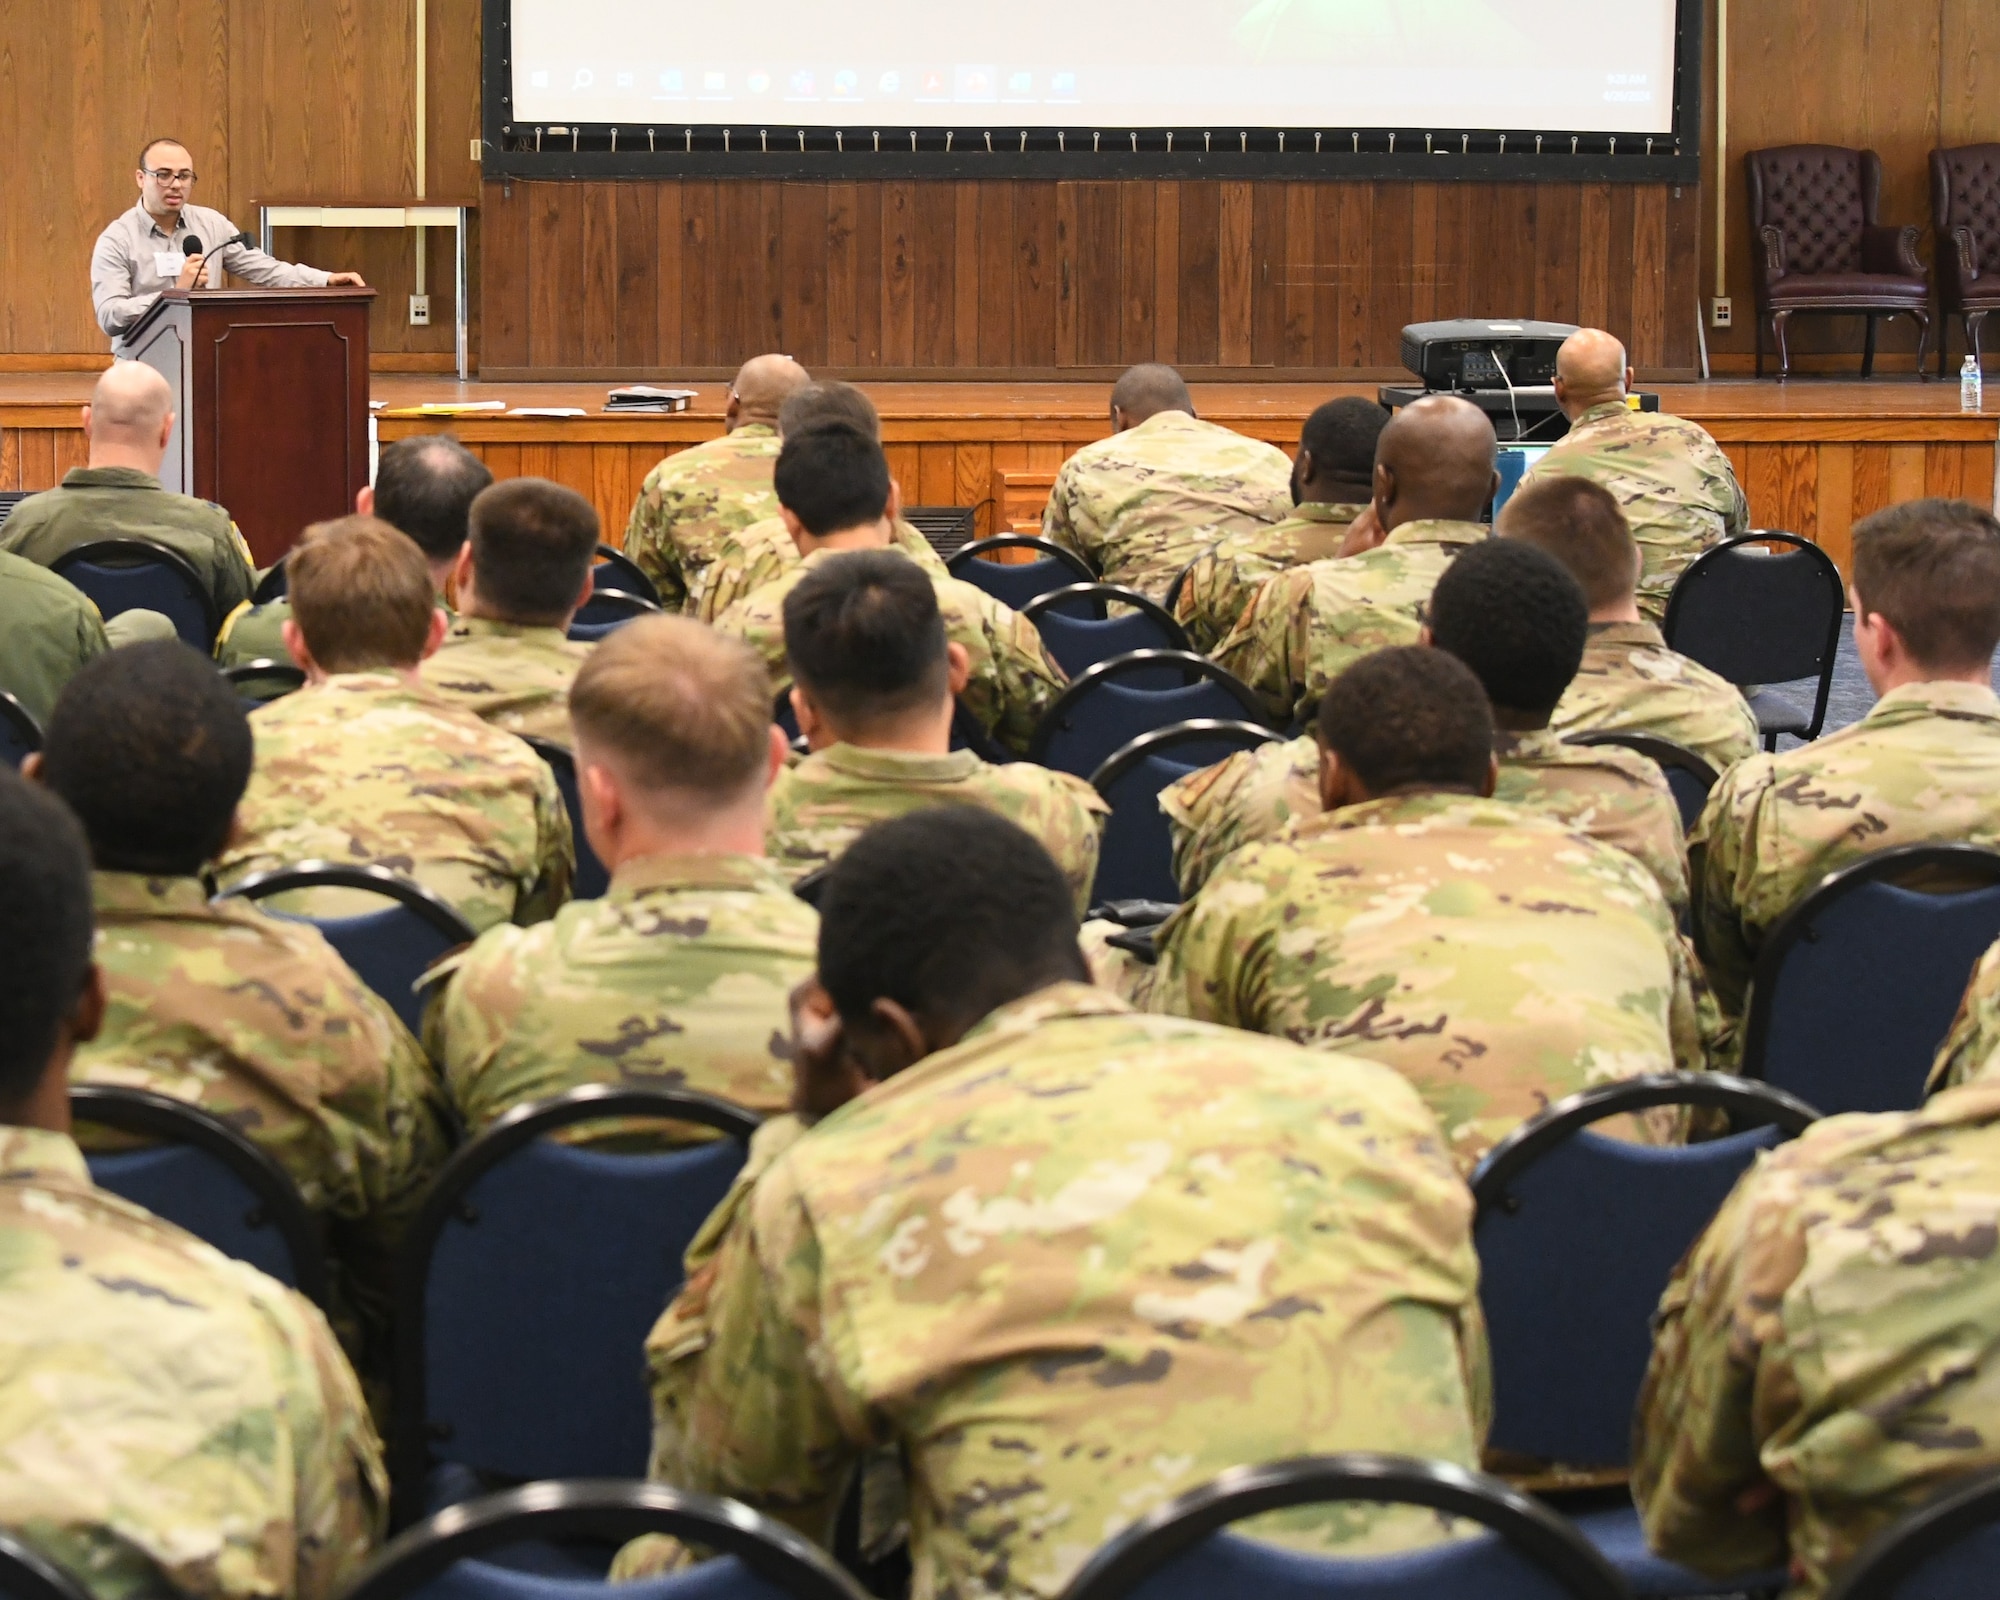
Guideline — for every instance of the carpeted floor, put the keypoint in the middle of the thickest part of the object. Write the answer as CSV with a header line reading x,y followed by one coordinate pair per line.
x,y
1850,696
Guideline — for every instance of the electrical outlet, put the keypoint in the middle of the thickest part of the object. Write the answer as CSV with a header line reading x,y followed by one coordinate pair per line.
x,y
475,149
1721,312
420,311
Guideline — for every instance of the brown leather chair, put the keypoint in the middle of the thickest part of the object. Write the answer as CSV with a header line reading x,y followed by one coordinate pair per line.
x,y
1820,248
1965,211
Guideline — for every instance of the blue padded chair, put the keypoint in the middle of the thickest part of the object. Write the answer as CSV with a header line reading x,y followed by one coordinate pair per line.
x,y
1946,1549
132,574
259,682
528,1282
1182,1551
1135,860
202,1175
1856,986
1114,702
1577,1236
27,1574
618,573
1759,617
20,733
591,879
1686,773
1016,583
389,949
1079,633
272,586
607,612
445,1556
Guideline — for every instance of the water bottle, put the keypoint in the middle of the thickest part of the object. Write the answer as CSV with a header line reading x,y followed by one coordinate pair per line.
x,y
1971,388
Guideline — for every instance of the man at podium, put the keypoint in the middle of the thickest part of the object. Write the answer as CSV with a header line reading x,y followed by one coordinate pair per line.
x,y
163,242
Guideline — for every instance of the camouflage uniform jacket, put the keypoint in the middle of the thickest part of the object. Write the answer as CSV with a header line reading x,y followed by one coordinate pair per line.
x,y
1829,1336
1674,482
1076,1264
1142,504
1014,679
1630,682
1923,766
1219,582
818,808
747,560
509,676
364,769
125,503
692,499
1497,960
48,631
1303,627
169,1418
677,978
1969,1051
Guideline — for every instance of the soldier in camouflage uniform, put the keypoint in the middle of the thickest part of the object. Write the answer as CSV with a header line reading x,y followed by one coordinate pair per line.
x,y
1822,1362
695,497
984,1252
507,657
169,1418
678,977
366,766
873,685
1332,481
1142,504
1433,476
1496,959
118,495
48,631
1969,1051
1677,488
837,495
1923,766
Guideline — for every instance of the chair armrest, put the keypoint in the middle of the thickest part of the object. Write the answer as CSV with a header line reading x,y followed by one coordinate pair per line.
x,y
1887,248
1774,252
1967,249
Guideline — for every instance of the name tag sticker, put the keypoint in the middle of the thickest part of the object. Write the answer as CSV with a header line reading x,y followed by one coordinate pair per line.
x,y
167,263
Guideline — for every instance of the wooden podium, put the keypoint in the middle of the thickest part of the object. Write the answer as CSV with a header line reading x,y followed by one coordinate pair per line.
x,y
271,393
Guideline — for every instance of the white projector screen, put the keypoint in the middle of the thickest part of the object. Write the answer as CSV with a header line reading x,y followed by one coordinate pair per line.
x,y
1603,66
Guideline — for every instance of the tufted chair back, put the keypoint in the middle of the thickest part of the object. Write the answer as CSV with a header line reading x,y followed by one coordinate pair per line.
x,y
1965,193
1821,196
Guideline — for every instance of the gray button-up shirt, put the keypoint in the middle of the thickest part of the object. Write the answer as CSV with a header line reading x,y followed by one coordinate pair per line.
x,y
128,269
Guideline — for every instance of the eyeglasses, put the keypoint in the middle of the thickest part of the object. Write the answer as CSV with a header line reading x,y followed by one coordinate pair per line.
x,y
161,175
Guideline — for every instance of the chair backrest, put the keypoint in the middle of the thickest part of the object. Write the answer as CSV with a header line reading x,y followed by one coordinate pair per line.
x,y
527,1284
590,880
261,681
1135,860
1687,774
1856,986
123,575
1015,583
1181,1551
1114,702
1758,616
1079,633
20,733
439,1558
200,1174
272,585
1965,193
389,949
27,1574
1821,195
618,573
1577,1235
1945,1549
607,613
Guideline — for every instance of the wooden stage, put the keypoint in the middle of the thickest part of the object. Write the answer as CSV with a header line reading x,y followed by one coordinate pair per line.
x,y
1813,455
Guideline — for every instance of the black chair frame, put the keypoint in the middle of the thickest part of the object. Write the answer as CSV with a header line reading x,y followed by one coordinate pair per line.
x,y
168,1121
135,552
409,1435
615,600
1968,860
1157,1538
976,551
1194,731
629,575
1105,595
21,720
1193,668
1661,752
812,886
265,667
433,908
272,586
607,1511
29,1575
1898,1551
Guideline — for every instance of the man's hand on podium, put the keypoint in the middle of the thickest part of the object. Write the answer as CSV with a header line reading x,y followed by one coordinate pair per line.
x,y
351,279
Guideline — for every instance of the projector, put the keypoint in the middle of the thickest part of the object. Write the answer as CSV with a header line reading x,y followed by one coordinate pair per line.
x,y
1472,354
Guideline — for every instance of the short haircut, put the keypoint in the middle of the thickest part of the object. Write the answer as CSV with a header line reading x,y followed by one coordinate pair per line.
x,y
1341,436
1580,524
146,149
361,594
1932,569
533,543
1148,389
425,486
829,400
832,477
865,636
1515,616
1408,715
151,749
45,930
678,705
949,912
